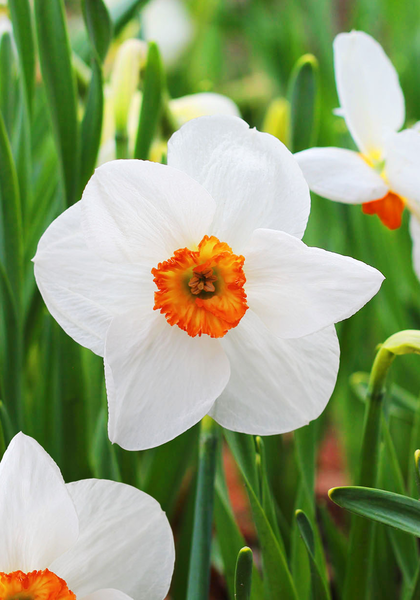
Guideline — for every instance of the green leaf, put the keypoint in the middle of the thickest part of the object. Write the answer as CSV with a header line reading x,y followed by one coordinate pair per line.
x,y
20,11
91,126
230,538
99,25
123,11
242,447
278,580
57,73
199,567
337,546
319,588
404,545
304,102
151,106
166,467
243,574
395,510
12,219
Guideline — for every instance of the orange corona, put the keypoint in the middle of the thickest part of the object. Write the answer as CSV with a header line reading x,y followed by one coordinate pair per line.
x,y
389,209
37,585
202,291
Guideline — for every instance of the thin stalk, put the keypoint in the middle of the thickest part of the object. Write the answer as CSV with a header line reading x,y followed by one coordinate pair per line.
x,y
199,569
359,563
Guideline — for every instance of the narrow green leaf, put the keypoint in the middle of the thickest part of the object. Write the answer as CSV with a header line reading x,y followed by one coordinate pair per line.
x,y
304,102
278,580
102,454
319,587
337,546
151,106
91,126
266,494
230,538
57,73
123,11
167,466
99,25
199,567
12,218
395,510
404,545
305,443
243,574
242,447
20,11
8,80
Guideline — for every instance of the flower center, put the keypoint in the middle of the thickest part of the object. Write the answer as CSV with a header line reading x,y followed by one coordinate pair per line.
x,y
37,585
202,291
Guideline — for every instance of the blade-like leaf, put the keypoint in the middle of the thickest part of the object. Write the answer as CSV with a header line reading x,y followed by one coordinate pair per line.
x,y
151,105
20,12
395,510
304,102
123,11
57,73
243,574
91,125
319,587
98,24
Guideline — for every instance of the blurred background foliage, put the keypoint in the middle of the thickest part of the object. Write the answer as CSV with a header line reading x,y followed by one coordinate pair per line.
x,y
54,390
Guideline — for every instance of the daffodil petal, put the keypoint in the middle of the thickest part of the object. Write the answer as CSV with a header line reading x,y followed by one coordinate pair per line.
x,y
415,236
160,381
107,595
403,164
252,176
125,542
38,520
82,291
340,175
276,385
141,212
368,89
297,290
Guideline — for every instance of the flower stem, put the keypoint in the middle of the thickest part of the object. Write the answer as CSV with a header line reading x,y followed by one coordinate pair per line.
x,y
199,568
358,573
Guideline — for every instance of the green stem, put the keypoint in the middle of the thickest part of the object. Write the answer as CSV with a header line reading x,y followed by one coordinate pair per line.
x,y
121,144
359,564
199,569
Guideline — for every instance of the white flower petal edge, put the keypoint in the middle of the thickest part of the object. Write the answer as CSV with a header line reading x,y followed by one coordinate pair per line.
x,y
340,175
297,290
276,385
125,543
200,105
403,164
107,595
253,178
137,211
368,89
160,381
38,520
82,291
415,235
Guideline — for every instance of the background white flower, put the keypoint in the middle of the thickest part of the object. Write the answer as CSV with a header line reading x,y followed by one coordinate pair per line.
x,y
270,361
372,104
106,540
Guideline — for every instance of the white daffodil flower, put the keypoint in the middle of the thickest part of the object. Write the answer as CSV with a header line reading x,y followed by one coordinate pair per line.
x,y
191,280
90,540
372,104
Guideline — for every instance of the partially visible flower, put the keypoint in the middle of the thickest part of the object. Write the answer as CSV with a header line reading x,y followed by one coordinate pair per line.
x,y
192,281
372,104
90,540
